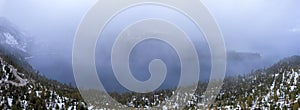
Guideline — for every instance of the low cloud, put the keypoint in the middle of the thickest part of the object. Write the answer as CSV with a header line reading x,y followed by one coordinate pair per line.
x,y
1,6
295,29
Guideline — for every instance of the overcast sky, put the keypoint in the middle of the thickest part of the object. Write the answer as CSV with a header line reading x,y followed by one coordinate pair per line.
x,y
272,25
271,28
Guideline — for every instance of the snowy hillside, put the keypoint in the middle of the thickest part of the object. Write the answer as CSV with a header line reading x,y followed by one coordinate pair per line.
x,y
276,87
22,90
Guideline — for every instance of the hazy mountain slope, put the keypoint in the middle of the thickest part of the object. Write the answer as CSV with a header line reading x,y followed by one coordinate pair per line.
x,y
14,43
13,38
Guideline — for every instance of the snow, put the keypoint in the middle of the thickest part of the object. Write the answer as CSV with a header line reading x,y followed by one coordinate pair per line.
x,y
60,105
296,75
9,101
10,39
165,107
293,87
38,93
273,84
90,107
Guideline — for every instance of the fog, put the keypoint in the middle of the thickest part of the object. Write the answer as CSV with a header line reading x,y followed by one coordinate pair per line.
x,y
269,28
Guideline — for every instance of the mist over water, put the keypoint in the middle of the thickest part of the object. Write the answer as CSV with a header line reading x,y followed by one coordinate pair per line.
x,y
254,37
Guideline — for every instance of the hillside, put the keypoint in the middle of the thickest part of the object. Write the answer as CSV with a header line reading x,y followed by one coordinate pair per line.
x,y
20,89
276,87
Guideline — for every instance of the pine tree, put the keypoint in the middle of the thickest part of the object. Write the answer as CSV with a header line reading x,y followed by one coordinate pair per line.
x,y
275,97
249,101
295,106
243,106
56,107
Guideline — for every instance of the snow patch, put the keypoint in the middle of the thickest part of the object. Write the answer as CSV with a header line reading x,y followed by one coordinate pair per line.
x,y
10,39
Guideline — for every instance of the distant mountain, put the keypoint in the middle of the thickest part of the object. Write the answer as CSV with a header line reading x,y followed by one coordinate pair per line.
x,y
243,56
292,61
239,63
